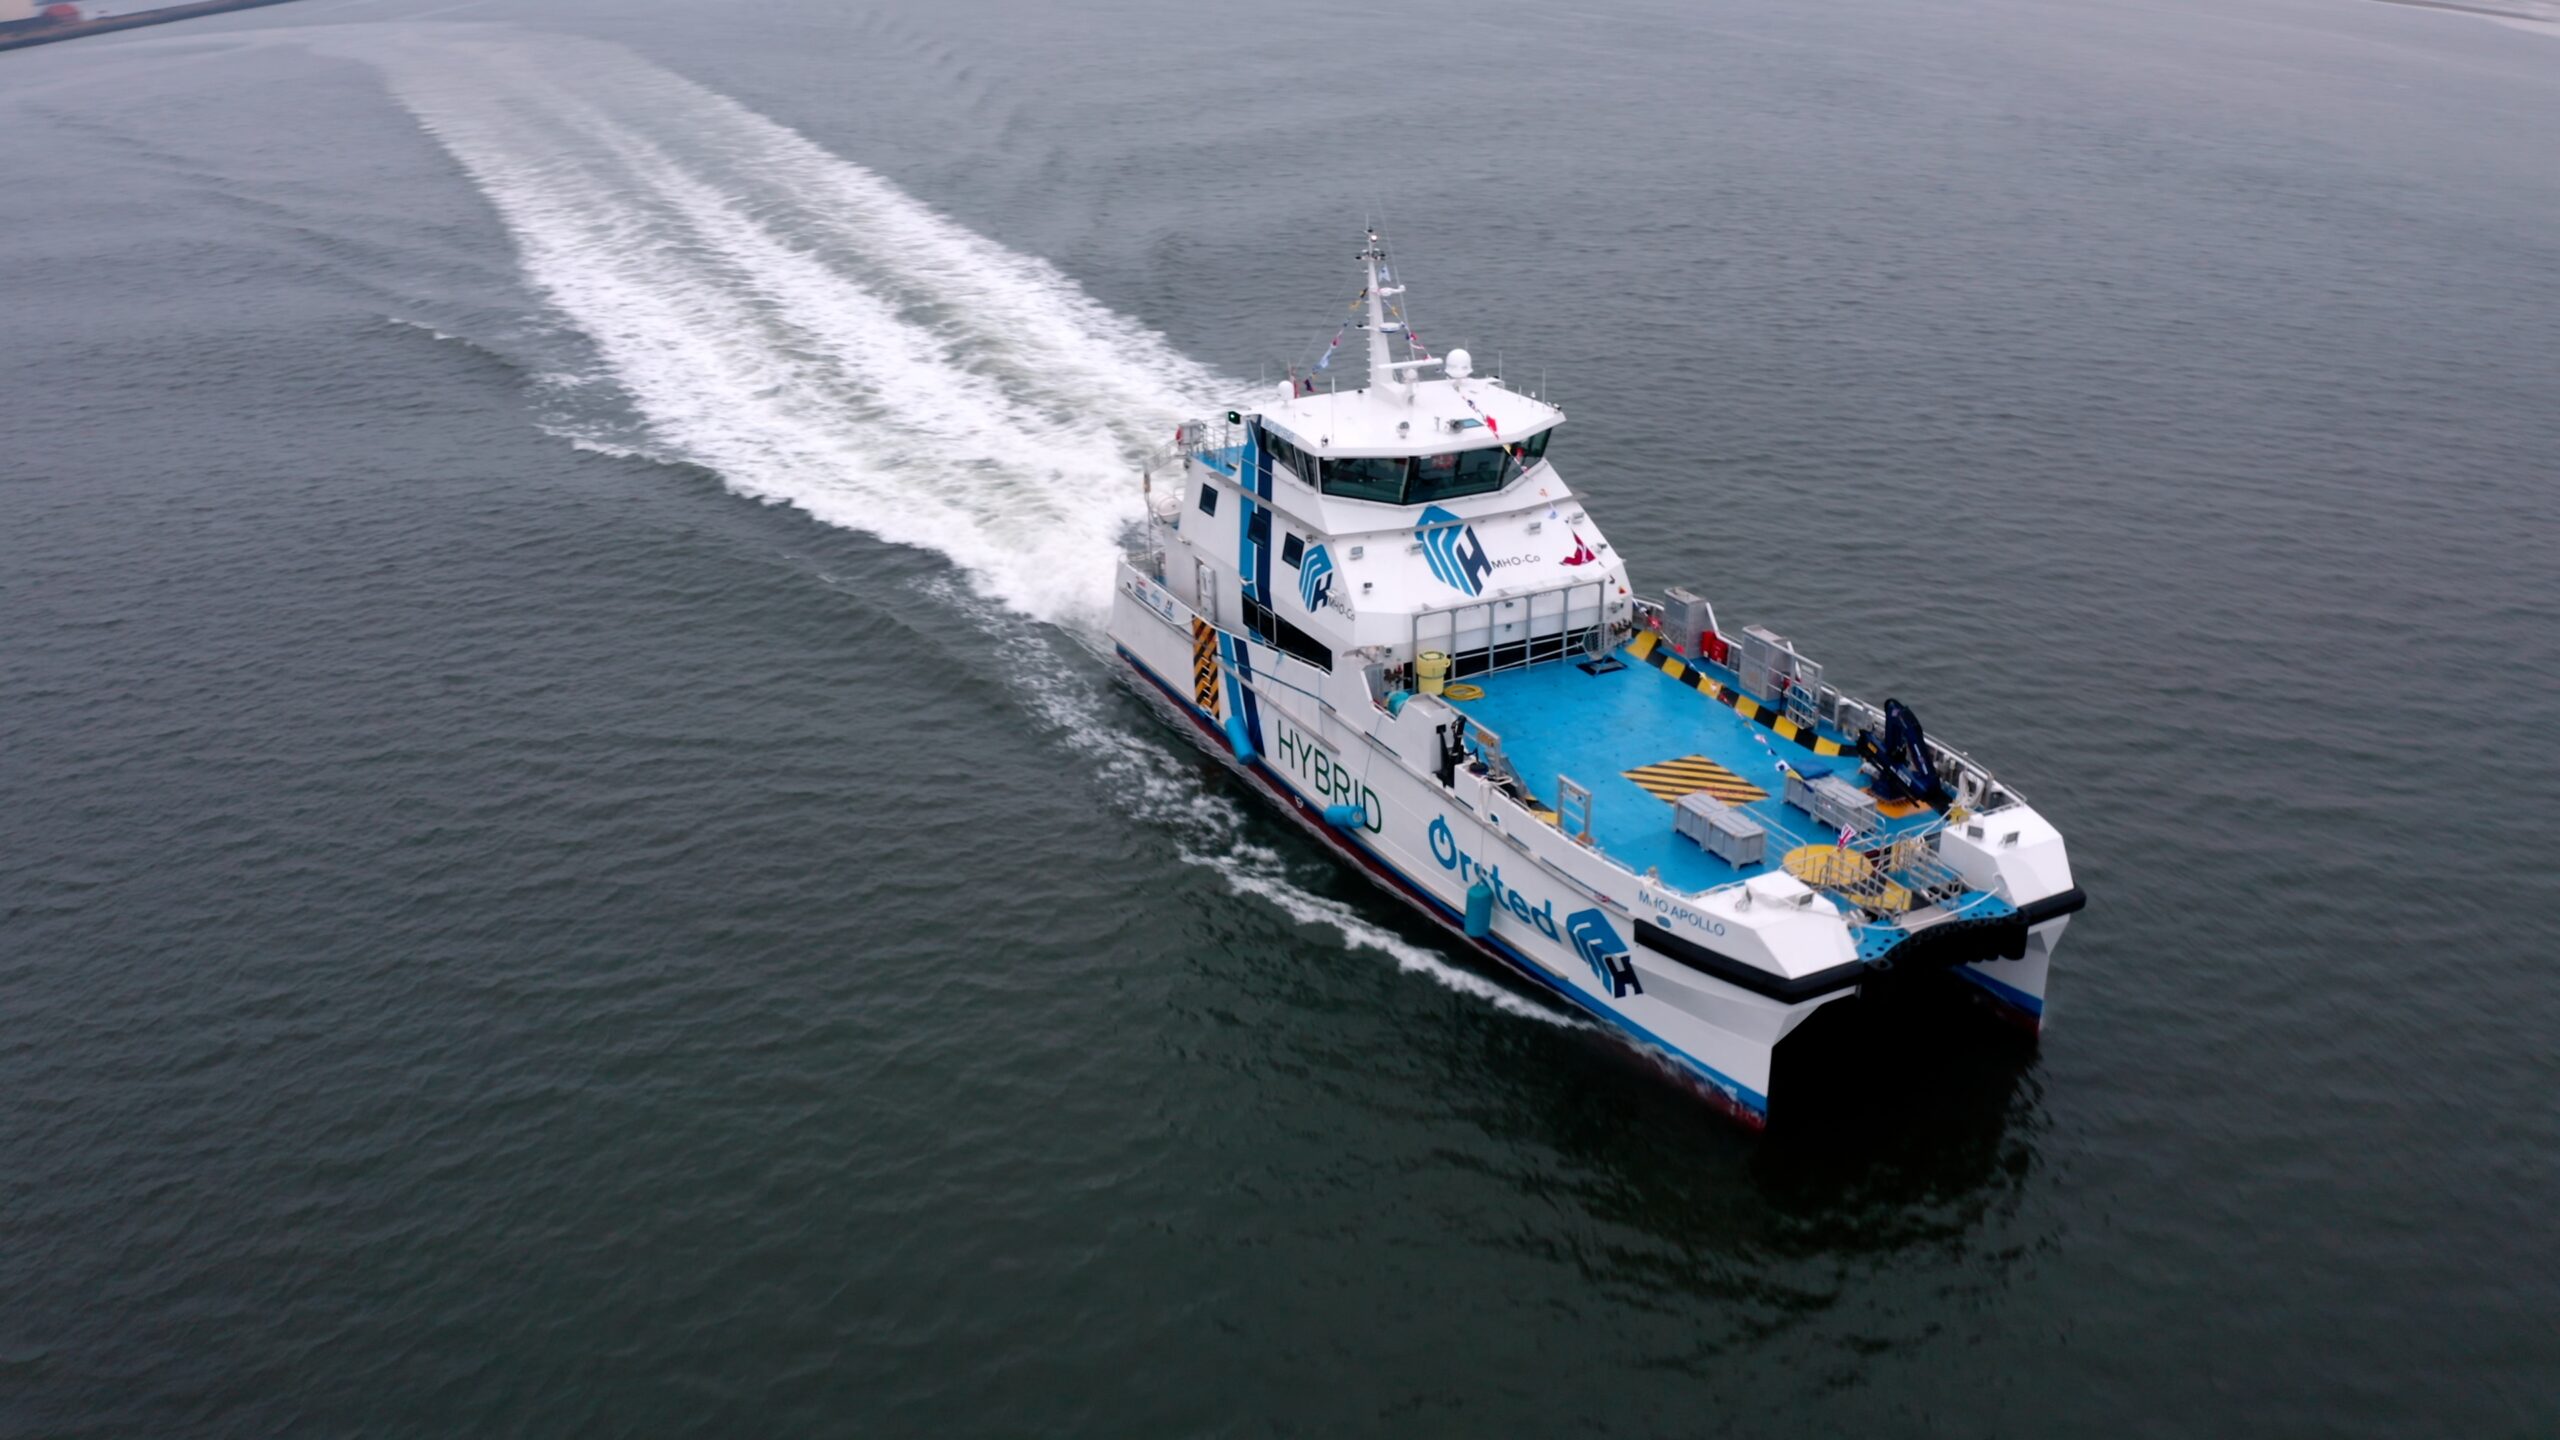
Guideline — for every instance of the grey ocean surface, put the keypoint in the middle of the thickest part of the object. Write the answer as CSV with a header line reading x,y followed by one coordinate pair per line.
x,y
503,933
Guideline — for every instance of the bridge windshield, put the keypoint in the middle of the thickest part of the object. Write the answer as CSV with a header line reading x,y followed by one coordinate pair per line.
x,y
1460,472
1424,479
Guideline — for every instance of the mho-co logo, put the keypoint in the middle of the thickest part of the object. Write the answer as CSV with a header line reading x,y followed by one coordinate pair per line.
x,y
1457,557
1600,946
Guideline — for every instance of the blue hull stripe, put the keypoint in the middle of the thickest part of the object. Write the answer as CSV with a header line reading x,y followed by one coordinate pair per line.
x,y
1253,489
1241,701
2006,994
1743,1095
1259,457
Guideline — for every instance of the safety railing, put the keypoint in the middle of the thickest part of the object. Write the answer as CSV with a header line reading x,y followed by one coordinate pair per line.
x,y
1511,632
1812,704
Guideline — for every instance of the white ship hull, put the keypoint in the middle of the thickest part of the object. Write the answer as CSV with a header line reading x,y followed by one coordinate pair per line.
x,y
1427,845
1684,835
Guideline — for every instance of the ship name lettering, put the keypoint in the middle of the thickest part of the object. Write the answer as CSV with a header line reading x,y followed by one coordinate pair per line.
x,y
1673,910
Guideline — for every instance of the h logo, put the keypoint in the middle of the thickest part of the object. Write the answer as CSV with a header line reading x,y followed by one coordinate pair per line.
x,y
1456,555
1597,942
1315,577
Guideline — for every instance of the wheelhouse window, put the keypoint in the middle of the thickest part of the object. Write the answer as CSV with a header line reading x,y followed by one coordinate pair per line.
x,y
1299,463
1423,479
1208,499
1380,478
1460,472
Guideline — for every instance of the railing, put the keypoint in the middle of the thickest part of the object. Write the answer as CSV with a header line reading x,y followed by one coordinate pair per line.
x,y
1968,779
1883,873
1573,807
1813,704
1512,632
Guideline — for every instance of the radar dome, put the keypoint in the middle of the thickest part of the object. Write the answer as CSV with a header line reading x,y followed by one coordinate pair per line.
x,y
1459,365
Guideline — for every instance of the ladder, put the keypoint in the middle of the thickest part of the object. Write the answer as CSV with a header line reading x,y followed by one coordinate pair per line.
x,y
1573,808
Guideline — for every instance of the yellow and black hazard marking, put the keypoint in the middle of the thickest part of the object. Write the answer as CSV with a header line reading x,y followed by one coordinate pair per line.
x,y
1671,779
1648,647
1204,665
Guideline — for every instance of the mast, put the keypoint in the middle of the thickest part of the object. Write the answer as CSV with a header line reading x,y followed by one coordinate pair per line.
x,y
1382,371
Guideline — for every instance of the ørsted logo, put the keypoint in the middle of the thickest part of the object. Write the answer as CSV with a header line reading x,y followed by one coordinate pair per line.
x,y
1456,555
1601,948
1444,848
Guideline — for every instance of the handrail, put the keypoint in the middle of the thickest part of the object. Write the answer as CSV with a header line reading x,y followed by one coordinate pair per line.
x,y
1849,715
1588,598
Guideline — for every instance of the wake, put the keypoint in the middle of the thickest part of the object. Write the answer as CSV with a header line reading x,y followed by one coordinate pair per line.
x,y
797,325
801,328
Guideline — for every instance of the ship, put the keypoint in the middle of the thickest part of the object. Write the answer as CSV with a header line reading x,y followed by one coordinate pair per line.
x,y
1386,609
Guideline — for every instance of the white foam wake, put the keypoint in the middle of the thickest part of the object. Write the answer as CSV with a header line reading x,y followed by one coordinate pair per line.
x,y
1253,870
800,327
1153,786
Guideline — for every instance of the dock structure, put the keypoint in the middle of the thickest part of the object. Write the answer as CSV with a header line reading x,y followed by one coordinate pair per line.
x,y
43,30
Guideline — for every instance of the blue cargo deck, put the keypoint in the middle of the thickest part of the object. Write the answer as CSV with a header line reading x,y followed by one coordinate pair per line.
x,y
1596,728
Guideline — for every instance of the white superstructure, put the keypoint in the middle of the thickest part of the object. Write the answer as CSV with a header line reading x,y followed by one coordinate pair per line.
x,y
1389,610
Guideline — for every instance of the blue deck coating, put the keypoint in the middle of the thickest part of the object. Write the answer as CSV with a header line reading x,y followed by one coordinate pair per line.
x,y
1557,718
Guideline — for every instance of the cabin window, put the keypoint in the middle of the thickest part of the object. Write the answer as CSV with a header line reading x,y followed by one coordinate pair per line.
x,y
1292,550
1295,459
1396,480
1208,499
1380,479
1305,646
1460,472
1267,627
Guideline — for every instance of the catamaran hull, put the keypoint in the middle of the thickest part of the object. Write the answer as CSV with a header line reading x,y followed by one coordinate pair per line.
x,y
1352,779
1746,1106
1422,843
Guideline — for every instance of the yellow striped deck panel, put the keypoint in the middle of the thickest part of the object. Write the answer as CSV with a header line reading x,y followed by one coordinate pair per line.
x,y
1671,779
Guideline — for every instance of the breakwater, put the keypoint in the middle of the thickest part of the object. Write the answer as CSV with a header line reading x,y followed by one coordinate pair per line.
x,y
74,29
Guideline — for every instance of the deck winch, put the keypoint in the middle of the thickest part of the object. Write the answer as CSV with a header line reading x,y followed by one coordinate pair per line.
x,y
1901,760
